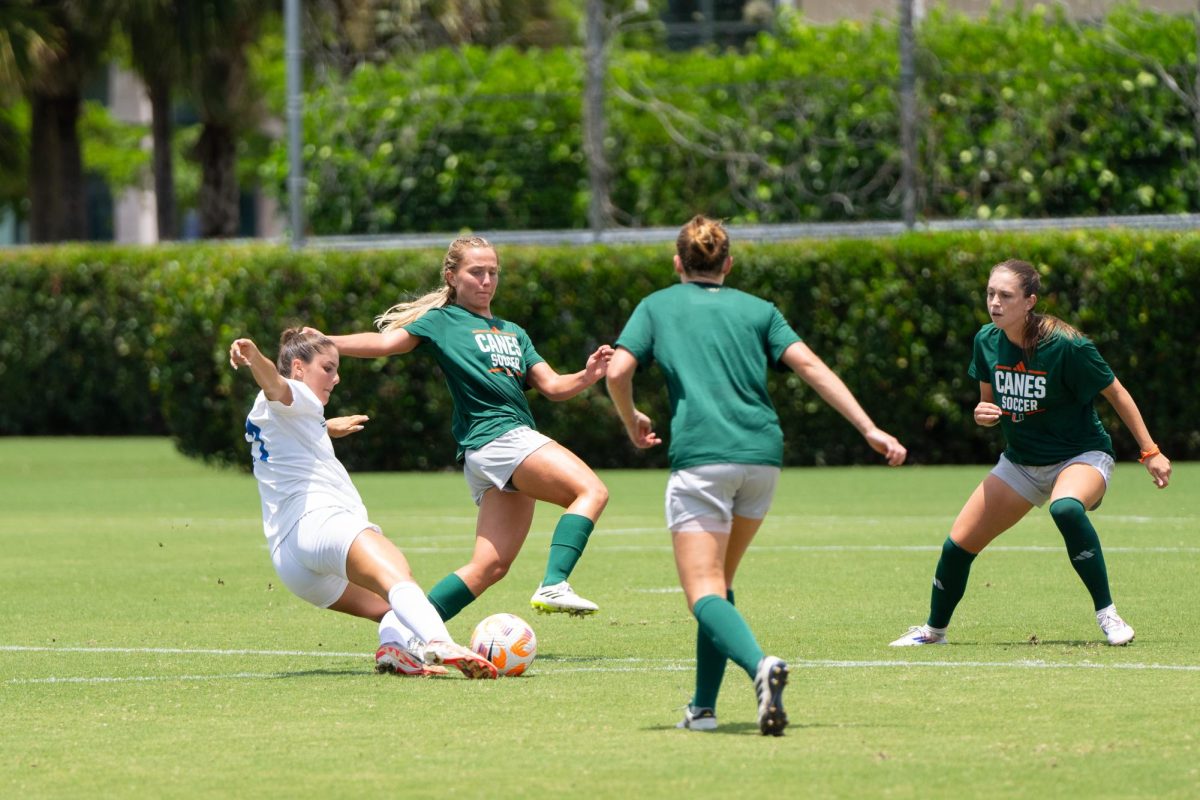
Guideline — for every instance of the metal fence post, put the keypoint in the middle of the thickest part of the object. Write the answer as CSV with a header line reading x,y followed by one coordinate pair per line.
x,y
594,122
295,111
908,116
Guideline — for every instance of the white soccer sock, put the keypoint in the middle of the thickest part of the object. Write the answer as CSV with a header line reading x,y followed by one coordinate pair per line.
x,y
413,609
392,630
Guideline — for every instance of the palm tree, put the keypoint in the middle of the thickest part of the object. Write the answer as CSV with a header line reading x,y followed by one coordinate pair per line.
x,y
156,42
51,46
217,36
25,31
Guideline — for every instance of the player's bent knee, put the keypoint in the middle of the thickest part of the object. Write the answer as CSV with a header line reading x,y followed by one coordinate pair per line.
x,y
493,572
594,493
599,494
1067,510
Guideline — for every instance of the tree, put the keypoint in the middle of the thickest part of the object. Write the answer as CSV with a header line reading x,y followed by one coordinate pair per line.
x,y
217,36
345,33
25,31
53,74
156,42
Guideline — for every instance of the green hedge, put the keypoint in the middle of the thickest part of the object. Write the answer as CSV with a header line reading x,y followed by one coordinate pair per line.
x,y
1023,113
111,340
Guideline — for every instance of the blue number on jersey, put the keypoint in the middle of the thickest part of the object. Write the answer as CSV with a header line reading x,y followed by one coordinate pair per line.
x,y
254,436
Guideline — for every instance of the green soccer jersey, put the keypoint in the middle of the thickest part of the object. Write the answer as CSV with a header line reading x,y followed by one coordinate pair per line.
x,y
714,345
485,362
1047,405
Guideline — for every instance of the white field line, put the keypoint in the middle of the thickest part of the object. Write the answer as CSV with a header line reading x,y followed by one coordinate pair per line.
x,y
1137,519
608,665
147,678
16,648
831,548
882,548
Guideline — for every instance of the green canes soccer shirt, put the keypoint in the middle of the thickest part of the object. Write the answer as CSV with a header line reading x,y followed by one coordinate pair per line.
x,y
1047,411
485,362
714,345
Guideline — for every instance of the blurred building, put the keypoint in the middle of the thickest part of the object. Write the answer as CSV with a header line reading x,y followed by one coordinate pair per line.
x,y
134,219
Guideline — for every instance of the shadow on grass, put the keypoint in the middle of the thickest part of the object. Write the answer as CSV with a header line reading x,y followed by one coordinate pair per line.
x,y
313,673
743,728
1088,643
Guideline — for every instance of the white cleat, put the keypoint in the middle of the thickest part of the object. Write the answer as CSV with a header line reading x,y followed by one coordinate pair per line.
x,y
466,661
918,635
561,598
1116,629
698,719
395,659
769,681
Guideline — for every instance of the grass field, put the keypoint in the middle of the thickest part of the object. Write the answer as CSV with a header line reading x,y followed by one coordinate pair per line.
x,y
146,649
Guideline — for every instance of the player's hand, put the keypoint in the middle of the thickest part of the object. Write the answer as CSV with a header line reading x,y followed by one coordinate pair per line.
x,y
240,352
311,331
337,427
642,433
597,363
987,414
1159,467
887,446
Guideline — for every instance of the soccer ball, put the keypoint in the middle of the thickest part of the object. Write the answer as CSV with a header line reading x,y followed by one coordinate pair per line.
x,y
507,641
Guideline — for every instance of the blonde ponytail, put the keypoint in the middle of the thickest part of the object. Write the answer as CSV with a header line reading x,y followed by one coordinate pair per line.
x,y
409,312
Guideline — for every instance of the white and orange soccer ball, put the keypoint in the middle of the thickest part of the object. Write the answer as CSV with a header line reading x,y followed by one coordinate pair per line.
x,y
507,641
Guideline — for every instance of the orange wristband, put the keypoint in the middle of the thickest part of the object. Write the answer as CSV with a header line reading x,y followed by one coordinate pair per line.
x,y
1153,451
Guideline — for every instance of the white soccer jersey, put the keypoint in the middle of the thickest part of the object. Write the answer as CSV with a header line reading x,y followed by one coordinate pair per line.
x,y
294,462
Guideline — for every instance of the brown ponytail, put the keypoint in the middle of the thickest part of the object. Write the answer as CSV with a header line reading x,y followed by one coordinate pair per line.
x,y
703,246
1038,327
295,343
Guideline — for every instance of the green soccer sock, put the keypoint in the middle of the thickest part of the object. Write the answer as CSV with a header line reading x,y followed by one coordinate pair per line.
x,y
1083,546
570,537
730,634
949,583
450,596
710,667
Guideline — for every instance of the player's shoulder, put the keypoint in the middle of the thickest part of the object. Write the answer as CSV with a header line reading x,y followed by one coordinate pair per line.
x,y
433,319
1074,345
655,303
665,294
987,334
303,398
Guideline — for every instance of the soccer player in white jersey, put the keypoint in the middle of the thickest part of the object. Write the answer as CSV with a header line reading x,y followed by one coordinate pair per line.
x,y
322,543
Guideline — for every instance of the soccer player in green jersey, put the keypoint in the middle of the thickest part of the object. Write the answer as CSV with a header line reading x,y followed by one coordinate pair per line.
x,y
489,362
714,344
1038,379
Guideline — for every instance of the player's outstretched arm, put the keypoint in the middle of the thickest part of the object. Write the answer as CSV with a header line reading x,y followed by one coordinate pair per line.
x,y
638,426
337,427
563,387
372,345
812,370
245,353
1157,464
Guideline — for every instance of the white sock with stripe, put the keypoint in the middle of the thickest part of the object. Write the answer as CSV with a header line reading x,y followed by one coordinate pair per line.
x,y
413,609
